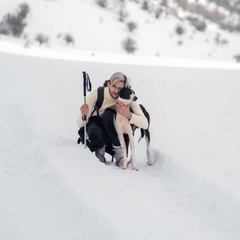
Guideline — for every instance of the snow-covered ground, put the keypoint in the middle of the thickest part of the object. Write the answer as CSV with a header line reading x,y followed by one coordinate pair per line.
x,y
52,188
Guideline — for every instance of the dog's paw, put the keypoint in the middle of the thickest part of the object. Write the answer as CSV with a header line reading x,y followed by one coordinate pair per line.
x,y
122,167
134,168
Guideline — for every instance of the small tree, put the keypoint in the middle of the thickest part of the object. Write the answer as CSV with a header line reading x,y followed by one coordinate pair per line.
x,y
131,26
122,15
237,57
200,25
102,3
24,10
13,24
69,39
164,3
145,5
179,29
41,38
129,45
158,12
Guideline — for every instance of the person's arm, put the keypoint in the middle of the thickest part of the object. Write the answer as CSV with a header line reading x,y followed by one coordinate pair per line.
x,y
135,117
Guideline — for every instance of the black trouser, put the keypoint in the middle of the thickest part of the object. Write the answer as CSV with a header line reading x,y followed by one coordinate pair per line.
x,y
101,131
109,128
111,136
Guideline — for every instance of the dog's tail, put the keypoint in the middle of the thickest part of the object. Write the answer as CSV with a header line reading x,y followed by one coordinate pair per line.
x,y
142,132
145,133
142,135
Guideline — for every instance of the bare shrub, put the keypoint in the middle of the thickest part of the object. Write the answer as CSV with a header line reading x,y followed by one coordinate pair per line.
x,y
179,29
145,5
237,57
24,10
200,25
131,26
219,40
129,45
42,38
158,12
179,42
13,24
102,3
122,15
164,3
68,39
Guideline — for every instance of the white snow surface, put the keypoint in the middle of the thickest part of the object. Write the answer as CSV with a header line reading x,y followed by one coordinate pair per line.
x,y
52,188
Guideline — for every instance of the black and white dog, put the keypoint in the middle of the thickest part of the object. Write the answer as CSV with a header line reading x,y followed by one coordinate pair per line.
x,y
122,126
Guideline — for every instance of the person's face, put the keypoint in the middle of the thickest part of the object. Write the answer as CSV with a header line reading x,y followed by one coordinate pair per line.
x,y
115,88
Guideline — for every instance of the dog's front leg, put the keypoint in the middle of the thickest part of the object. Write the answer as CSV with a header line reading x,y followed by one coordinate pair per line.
x,y
133,158
124,148
128,130
119,129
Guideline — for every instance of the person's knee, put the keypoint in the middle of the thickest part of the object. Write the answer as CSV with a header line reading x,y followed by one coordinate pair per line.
x,y
95,136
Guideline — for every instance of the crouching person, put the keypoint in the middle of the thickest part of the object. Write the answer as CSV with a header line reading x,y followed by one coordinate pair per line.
x,y
101,133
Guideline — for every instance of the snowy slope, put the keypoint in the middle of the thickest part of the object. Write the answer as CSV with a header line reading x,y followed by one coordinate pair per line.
x,y
52,188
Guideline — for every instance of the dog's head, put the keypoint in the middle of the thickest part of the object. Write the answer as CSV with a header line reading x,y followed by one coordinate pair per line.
x,y
127,95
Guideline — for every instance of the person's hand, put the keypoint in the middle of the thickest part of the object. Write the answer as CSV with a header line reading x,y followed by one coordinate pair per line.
x,y
84,110
123,110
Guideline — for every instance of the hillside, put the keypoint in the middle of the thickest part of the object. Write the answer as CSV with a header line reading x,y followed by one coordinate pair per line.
x,y
160,28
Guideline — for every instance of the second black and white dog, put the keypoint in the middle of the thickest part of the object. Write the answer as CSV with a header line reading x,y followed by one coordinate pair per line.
x,y
122,125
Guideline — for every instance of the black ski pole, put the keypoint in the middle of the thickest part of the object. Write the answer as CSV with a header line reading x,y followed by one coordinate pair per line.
x,y
86,86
